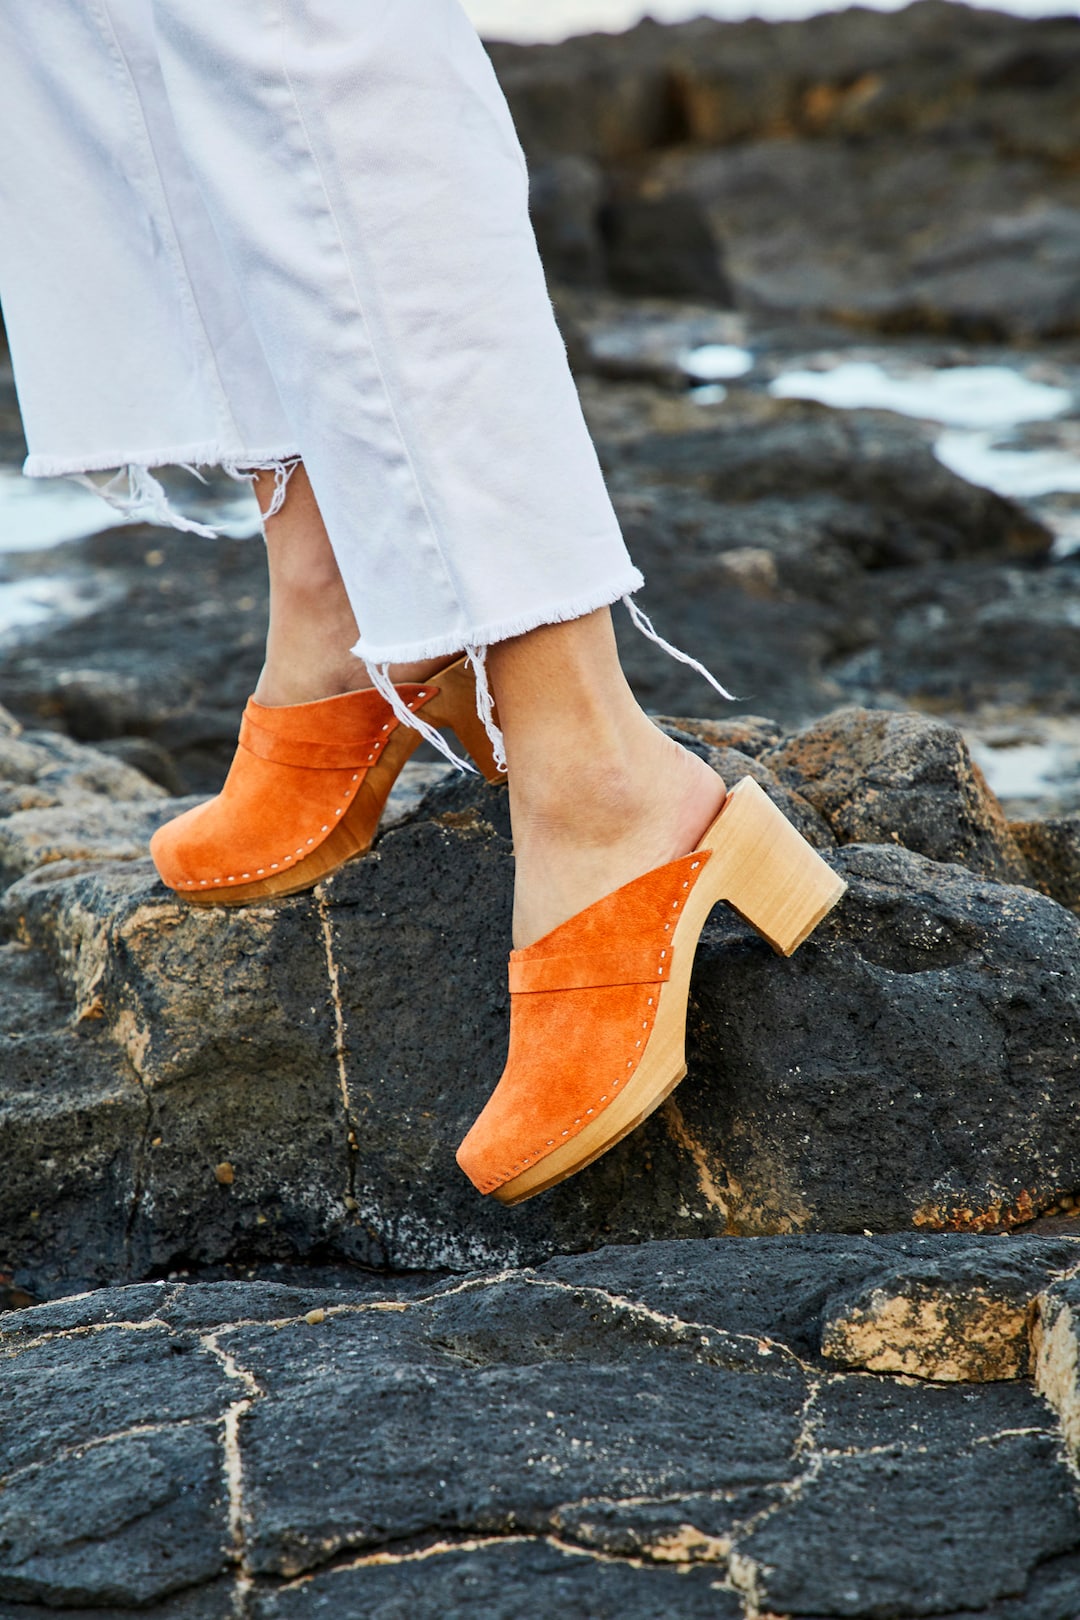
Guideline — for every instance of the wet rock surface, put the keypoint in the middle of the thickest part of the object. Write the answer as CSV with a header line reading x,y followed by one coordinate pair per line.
x,y
638,1431
293,1078
170,657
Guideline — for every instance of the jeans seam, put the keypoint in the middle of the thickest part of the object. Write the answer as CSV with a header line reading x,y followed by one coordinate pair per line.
x,y
186,290
406,448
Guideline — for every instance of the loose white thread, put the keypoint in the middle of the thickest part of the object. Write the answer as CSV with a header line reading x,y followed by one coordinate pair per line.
x,y
245,472
380,680
644,624
485,708
144,499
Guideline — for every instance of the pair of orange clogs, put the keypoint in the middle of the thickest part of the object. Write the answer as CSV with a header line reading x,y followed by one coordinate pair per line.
x,y
598,1006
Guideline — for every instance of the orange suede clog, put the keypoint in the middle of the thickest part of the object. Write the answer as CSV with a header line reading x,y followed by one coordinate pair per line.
x,y
598,1006
306,789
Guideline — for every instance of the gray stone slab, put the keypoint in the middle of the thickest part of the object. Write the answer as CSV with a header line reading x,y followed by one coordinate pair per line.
x,y
627,1430
502,1581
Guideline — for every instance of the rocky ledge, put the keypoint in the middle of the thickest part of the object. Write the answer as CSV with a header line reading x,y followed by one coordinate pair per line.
x,y
187,1086
905,171
786,1427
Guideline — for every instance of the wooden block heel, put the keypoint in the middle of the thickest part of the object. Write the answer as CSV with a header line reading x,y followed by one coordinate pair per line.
x,y
598,1007
767,871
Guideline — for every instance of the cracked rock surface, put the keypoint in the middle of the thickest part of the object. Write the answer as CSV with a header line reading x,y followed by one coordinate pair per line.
x,y
637,1432
190,1086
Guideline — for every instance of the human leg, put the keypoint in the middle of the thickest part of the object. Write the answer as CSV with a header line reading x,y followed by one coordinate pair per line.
x,y
312,624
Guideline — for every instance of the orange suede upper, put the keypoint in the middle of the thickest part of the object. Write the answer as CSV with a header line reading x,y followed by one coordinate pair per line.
x,y
295,772
583,1001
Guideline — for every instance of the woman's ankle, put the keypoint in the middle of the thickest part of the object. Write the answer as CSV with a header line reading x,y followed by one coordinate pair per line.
x,y
576,842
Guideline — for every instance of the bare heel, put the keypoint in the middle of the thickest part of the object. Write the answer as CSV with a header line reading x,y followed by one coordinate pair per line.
x,y
454,706
763,867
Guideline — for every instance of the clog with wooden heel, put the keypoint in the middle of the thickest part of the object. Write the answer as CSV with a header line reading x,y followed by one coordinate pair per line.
x,y
306,789
598,1006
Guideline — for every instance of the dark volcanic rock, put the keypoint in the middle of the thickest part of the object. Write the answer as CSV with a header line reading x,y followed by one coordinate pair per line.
x,y
929,70
113,1488
732,765
664,245
626,1433
750,734
502,1579
869,484
901,236
172,656
564,203
282,1078
805,555
1051,849
851,1546
901,1031
223,1020
568,1371
961,637
879,777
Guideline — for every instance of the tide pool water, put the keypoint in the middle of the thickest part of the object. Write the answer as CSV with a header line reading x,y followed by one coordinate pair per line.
x,y
979,409
956,396
709,362
36,513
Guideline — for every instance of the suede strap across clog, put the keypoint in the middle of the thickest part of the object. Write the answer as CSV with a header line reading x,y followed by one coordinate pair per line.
x,y
306,789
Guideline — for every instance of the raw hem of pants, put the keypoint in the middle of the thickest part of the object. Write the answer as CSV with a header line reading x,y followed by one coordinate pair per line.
x,y
146,500
183,455
485,635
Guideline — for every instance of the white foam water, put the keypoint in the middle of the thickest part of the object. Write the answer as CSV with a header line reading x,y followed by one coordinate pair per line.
x,y
36,513
978,407
1008,470
29,604
713,362
956,396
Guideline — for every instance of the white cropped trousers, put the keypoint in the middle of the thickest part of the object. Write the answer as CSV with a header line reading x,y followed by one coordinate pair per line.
x,y
243,232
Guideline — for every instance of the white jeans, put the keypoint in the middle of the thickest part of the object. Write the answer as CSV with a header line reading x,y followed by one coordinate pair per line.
x,y
250,231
